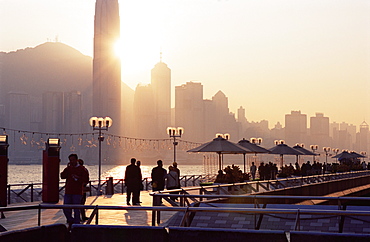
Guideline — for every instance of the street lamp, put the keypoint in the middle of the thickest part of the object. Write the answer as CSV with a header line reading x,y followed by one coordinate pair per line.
x,y
314,148
100,124
326,150
256,141
364,154
175,133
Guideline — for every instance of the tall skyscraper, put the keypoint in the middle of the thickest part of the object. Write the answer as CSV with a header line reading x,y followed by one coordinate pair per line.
x,y
189,112
106,64
52,111
161,86
295,128
319,130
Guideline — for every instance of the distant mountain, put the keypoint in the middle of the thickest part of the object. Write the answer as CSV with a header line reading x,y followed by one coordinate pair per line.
x,y
51,66
48,67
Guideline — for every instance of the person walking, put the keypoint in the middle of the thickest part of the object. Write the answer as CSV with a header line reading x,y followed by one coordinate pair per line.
x,y
76,176
84,190
132,181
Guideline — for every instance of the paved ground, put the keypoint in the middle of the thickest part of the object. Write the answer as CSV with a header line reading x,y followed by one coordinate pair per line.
x,y
317,223
28,218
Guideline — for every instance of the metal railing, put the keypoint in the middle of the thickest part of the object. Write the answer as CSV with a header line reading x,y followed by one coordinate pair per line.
x,y
190,211
260,205
251,187
18,193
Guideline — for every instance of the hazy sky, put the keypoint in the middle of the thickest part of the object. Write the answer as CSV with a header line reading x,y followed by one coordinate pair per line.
x,y
269,56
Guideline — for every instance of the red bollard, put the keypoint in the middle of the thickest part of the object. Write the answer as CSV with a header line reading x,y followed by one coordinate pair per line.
x,y
50,173
3,170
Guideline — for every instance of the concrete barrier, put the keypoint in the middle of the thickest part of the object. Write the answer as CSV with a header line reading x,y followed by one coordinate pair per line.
x,y
181,234
55,233
101,233
302,236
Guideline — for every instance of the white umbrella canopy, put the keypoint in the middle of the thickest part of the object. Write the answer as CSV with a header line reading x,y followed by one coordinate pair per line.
x,y
221,146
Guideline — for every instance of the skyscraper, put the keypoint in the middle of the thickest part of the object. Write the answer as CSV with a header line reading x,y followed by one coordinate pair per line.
x,y
295,128
161,86
106,64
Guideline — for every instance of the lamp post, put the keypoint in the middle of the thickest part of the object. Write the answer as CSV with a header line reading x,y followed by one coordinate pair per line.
x,y
364,154
314,148
175,133
326,150
100,124
256,141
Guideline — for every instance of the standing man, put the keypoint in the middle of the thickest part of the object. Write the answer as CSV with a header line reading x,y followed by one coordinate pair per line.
x,y
177,170
85,189
253,170
138,164
158,177
132,181
76,176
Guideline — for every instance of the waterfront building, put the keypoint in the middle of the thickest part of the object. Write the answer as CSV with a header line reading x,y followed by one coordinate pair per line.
x,y
295,128
19,110
73,112
161,86
106,64
144,112
362,138
52,112
319,131
189,110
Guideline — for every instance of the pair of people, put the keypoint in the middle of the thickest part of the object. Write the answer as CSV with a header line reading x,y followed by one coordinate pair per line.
x,y
133,181
159,176
77,176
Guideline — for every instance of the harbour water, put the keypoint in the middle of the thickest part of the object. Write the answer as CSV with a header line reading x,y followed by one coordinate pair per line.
x,y
25,174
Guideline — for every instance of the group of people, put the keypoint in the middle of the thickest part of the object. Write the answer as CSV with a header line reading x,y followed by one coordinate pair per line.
x,y
133,181
160,179
77,177
160,176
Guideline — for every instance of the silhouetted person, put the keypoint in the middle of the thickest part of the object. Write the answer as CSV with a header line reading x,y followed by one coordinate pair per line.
x,y
132,181
253,170
172,181
85,189
138,164
158,177
177,170
76,176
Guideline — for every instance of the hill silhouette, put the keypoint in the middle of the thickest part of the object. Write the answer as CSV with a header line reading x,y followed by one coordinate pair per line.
x,y
51,66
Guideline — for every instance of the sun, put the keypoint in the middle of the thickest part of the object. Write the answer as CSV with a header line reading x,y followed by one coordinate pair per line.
x,y
140,44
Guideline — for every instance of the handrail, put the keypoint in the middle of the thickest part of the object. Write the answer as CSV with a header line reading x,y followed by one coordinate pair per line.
x,y
252,211
35,188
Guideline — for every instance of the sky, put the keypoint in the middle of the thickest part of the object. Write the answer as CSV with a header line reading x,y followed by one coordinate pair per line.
x,y
269,56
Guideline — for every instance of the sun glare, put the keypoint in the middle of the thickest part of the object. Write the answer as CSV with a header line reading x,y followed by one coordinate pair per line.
x,y
140,45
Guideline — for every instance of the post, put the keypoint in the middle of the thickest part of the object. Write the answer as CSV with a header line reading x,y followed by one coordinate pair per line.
x,y
3,170
100,138
50,171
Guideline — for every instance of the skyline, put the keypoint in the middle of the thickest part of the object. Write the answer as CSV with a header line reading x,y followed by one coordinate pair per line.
x,y
308,56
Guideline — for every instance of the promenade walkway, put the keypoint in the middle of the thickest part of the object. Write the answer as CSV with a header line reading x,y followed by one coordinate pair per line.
x,y
29,218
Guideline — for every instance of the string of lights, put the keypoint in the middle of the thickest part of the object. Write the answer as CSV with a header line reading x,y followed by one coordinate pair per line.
x,y
36,139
